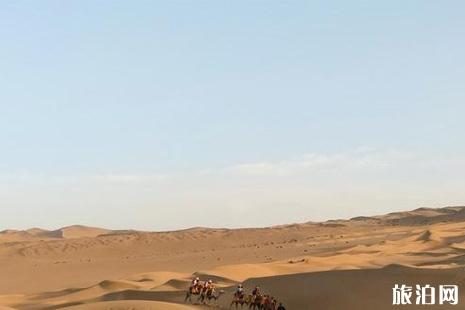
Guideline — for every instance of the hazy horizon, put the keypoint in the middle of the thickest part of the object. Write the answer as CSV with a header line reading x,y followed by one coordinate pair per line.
x,y
163,116
211,227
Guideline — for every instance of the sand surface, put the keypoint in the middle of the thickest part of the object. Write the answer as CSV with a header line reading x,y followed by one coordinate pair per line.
x,y
132,304
341,264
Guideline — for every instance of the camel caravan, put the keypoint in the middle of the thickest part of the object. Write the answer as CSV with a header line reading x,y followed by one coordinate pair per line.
x,y
206,292
255,300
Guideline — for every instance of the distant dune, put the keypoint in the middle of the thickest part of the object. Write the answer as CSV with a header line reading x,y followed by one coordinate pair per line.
x,y
339,264
79,231
69,232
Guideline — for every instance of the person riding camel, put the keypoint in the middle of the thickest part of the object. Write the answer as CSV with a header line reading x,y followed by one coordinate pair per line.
x,y
239,292
273,303
256,291
209,286
195,284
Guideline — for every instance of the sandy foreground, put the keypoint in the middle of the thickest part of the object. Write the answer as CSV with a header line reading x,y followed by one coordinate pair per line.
x,y
342,264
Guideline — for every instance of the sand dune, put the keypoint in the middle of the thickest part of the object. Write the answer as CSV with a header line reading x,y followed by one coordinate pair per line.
x,y
79,231
303,265
133,305
352,289
355,289
69,232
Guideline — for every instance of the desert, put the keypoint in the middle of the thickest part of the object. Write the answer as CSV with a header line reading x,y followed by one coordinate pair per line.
x,y
232,155
303,265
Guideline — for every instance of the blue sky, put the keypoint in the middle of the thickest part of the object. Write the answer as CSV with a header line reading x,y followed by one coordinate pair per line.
x,y
270,110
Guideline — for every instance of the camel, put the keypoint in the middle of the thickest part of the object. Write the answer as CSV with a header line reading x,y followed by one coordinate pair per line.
x,y
241,300
256,302
266,302
194,290
262,302
206,296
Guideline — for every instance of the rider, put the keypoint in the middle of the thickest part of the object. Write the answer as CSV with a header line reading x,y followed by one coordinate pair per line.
x,y
239,291
209,284
256,291
195,284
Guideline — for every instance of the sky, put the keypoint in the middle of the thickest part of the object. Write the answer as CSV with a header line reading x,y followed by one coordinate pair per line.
x,y
160,115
